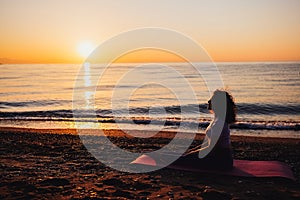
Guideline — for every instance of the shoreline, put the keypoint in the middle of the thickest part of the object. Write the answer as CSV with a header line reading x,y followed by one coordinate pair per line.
x,y
36,164
122,133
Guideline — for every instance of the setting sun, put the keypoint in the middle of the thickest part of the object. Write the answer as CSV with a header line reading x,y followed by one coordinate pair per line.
x,y
85,48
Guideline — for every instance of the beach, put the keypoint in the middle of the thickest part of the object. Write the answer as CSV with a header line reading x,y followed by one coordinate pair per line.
x,y
54,164
101,100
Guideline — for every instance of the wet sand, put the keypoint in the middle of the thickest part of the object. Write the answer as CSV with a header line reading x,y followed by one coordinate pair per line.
x,y
54,164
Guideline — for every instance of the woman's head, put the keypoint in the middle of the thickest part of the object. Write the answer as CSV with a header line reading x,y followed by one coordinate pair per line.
x,y
222,104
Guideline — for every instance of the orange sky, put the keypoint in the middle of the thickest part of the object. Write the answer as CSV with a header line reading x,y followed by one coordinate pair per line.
x,y
147,55
50,31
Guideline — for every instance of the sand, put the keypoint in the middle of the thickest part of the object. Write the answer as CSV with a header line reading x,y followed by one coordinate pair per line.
x,y
54,164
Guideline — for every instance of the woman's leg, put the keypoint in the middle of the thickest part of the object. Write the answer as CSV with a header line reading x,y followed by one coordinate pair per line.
x,y
223,158
220,159
193,159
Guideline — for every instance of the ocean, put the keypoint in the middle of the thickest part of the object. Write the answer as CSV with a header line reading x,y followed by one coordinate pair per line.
x,y
267,95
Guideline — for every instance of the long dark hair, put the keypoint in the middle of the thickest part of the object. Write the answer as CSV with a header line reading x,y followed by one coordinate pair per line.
x,y
220,107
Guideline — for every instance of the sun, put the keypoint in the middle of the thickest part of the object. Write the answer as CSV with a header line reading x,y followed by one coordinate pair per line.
x,y
85,48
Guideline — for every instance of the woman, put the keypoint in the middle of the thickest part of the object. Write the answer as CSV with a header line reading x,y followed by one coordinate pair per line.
x,y
215,151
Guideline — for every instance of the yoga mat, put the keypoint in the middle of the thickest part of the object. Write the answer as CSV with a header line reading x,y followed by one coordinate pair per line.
x,y
242,168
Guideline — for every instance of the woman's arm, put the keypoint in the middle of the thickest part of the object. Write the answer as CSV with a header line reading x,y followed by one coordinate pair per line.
x,y
205,142
196,151
200,147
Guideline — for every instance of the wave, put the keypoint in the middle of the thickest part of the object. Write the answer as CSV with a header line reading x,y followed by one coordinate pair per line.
x,y
105,116
242,108
36,103
268,109
257,109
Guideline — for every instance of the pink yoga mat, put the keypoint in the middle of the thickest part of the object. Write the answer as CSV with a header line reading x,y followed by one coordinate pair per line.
x,y
243,168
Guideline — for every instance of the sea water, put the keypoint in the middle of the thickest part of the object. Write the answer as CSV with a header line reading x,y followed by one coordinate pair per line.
x,y
41,96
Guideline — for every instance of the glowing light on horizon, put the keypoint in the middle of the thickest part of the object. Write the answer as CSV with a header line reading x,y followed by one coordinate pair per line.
x,y
85,48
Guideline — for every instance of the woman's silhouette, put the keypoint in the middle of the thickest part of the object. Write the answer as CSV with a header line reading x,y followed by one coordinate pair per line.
x,y
215,152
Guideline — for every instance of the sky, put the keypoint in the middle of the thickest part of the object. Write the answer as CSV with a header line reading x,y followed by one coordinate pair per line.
x,y
64,31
